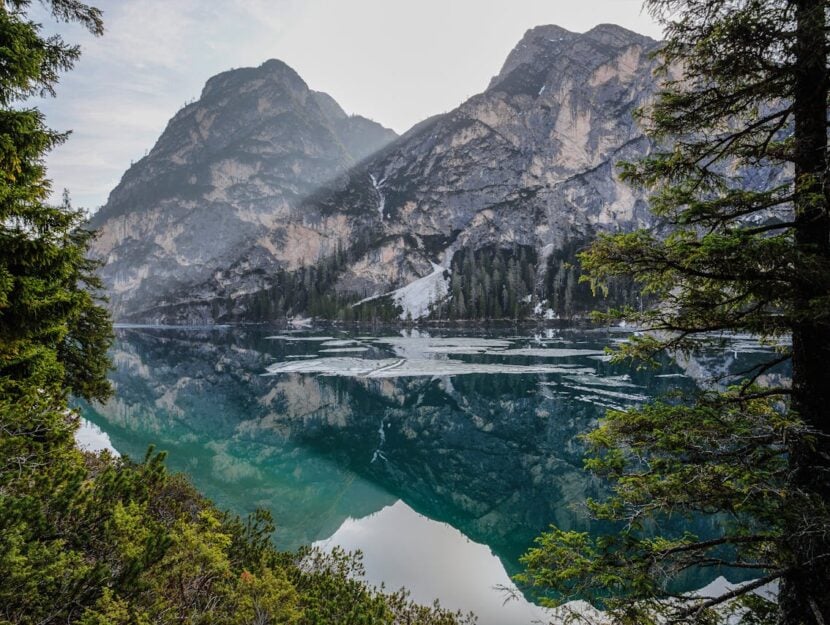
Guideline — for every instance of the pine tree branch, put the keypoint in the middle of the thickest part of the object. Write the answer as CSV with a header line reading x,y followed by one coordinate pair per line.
x,y
721,218
784,225
736,592
758,370
709,562
715,542
724,145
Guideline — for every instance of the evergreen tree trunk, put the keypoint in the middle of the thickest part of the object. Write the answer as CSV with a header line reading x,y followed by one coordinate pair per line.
x,y
805,593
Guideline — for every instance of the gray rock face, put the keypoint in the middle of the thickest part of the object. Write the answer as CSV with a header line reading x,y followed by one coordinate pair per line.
x,y
262,174
530,161
226,175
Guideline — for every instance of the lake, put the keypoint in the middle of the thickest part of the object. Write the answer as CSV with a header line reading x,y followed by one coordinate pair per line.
x,y
440,454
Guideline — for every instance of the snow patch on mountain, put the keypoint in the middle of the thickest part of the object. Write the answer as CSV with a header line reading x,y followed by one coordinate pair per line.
x,y
378,185
416,298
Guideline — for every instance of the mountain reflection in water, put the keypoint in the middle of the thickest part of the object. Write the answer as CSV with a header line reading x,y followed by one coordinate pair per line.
x,y
476,432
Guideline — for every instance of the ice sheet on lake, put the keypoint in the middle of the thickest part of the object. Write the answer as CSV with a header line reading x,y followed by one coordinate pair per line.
x,y
633,397
595,400
402,367
609,380
603,358
473,346
285,337
440,342
339,343
424,346
550,352
344,350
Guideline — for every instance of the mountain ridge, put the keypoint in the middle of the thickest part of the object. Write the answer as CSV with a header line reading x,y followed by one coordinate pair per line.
x,y
527,165
227,168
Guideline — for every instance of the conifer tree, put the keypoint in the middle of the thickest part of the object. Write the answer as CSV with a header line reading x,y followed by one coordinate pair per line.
x,y
53,332
742,181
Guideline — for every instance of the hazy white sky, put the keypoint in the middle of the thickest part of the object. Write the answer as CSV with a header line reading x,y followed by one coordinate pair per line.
x,y
395,61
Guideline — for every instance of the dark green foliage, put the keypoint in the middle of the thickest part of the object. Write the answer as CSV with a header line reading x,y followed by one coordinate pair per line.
x,y
486,284
723,456
306,291
498,283
568,296
53,331
491,283
742,187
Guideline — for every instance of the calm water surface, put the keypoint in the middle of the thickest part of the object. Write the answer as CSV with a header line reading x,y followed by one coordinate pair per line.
x,y
440,455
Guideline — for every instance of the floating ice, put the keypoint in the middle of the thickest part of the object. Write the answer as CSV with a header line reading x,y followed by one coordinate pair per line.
x,y
603,358
594,400
344,350
607,393
401,367
441,342
418,346
284,337
611,380
550,352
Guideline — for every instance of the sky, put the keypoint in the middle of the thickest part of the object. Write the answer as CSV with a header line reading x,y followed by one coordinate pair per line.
x,y
394,61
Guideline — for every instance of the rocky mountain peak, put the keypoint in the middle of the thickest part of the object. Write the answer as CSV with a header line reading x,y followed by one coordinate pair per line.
x,y
271,71
617,36
550,50
536,42
227,171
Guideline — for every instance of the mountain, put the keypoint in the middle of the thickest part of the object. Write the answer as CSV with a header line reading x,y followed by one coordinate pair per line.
x,y
227,174
473,213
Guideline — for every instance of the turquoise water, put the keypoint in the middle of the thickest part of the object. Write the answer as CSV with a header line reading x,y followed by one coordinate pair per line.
x,y
440,454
